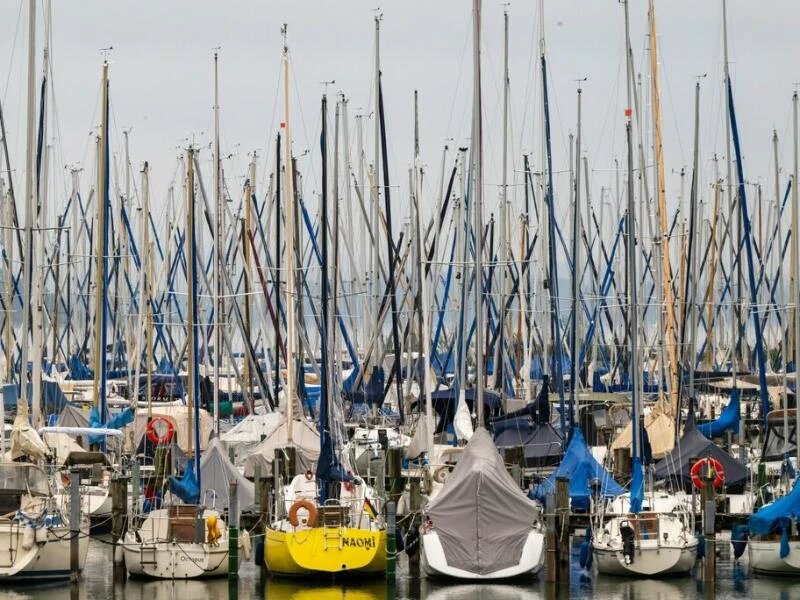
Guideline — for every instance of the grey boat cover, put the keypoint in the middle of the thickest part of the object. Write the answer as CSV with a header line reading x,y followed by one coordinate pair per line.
x,y
481,516
304,438
217,473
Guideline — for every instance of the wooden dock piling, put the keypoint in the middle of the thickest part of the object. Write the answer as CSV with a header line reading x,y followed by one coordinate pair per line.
x,y
233,531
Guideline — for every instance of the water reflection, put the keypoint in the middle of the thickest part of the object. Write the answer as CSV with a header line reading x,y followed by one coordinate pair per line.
x,y
483,591
290,589
734,581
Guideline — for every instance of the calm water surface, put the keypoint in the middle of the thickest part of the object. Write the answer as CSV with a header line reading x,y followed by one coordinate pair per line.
x,y
734,581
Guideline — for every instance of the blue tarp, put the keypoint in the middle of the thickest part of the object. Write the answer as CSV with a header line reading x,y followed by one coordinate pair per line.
x,y
53,399
778,515
186,487
78,370
729,419
637,485
580,467
118,421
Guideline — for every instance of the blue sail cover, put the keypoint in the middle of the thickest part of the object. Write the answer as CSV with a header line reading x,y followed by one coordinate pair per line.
x,y
637,485
778,515
729,419
186,487
78,370
118,421
580,467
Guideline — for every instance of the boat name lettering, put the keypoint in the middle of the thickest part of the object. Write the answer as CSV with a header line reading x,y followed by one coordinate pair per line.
x,y
351,542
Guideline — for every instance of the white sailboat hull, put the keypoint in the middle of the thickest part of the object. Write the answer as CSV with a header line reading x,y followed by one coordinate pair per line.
x,y
168,560
45,559
765,557
435,561
648,561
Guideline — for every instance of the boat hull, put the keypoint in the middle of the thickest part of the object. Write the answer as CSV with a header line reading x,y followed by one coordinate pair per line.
x,y
47,559
765,557
435,561
325,550
648,561
168,560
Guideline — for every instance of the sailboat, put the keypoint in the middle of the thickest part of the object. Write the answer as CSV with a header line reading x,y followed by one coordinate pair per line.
x,y
182,541
35,536
635,541
328,522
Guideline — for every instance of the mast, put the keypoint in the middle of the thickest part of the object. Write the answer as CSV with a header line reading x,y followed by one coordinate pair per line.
x,y
290,308
30,216
503,250
100,314
693,270
793,252
552,278
193,404
477,166
736,316
218,249
666,268
277,261
576,233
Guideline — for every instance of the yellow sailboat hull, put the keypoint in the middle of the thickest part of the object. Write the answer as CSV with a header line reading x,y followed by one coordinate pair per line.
x,y
325,550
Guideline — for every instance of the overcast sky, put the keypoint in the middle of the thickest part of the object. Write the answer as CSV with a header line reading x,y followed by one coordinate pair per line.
x,y
161,79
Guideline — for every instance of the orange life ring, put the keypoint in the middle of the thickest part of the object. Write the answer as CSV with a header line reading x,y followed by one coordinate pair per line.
x,y
309,506
698,474
153,434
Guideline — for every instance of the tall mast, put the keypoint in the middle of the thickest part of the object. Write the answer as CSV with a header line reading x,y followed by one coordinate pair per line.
x,y
102,256
669,301
503,250
290,308
693,270
633,284
218,249
191,341
30,216
795,249
736,316
146,291
375,212
477,166
576,233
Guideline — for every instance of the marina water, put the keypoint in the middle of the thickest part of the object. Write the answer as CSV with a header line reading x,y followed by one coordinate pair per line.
x,y
734,580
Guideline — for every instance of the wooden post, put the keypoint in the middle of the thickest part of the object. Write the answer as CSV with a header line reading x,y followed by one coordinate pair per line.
x,y
135,487
119,510
394,476
391,551
562,510
709,529
74,525
551,558
233,531
415,505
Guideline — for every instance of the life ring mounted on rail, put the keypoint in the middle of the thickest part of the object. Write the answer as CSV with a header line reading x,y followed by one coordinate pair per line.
x,y
160,430
309,506
701,467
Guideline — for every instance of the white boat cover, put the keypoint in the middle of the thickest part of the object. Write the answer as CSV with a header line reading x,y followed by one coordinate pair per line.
x,y
217,472
304,437
482,517
248,433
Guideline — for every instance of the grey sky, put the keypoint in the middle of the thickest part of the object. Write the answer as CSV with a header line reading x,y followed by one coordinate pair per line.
x,y
161,78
